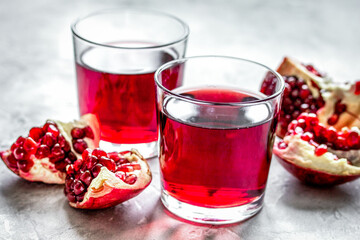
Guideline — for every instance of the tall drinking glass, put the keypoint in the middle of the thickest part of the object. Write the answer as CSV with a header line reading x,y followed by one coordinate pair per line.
x,y
116,54
216,136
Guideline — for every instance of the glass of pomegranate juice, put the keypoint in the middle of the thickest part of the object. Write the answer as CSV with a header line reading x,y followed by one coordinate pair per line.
x,y
116,54
216,137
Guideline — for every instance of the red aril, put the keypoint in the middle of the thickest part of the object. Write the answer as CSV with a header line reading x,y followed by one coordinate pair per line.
x,y
44,154
101,180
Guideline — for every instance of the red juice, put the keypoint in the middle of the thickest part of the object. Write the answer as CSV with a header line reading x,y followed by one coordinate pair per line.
x,y
215,157
121,96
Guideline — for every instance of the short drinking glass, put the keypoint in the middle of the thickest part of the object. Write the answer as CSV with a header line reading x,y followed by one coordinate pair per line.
x,y
216,136
116,54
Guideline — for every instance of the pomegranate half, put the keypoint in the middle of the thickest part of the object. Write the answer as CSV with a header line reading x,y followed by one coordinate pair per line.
x,y
43,155
307,90
101,180
317,154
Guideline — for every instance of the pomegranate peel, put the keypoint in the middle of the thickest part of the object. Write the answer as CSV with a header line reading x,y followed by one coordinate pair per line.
x,y
317,154
307,90
45,153
109,187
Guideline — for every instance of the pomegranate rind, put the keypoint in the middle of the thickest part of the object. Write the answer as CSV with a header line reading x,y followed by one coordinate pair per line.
x,y
346,94
107,190
313,177
291,67
42,170
300,160
331,93
85,120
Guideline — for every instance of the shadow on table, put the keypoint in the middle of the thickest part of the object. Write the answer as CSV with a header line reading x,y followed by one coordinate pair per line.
x,y
137,219
22,195
300,196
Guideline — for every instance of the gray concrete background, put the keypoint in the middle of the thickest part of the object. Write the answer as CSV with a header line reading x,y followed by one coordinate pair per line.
x,y
37,82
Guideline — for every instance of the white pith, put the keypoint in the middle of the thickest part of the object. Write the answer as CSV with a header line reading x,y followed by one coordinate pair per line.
x,y
302,153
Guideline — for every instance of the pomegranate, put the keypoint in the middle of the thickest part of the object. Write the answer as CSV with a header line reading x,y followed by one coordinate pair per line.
x,y
44,154
318,154
307,90
101,180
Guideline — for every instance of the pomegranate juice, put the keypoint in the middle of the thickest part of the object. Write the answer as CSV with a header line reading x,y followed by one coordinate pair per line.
x,y
121,96
215,157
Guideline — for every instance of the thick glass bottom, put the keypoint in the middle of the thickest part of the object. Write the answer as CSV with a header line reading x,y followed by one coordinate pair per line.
x,y
215,216
147,150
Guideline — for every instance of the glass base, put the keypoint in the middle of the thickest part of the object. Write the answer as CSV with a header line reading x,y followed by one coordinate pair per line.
x,y
147,150
215,216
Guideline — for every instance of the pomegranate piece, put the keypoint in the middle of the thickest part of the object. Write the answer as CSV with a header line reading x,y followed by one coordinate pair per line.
x,y
307,90
44,154
317,154
101,180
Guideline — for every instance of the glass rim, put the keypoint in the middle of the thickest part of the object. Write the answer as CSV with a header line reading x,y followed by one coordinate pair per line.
x,y
183,37
197,101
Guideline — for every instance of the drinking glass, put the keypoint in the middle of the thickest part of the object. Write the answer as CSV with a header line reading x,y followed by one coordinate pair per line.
x,y
216,136
116,54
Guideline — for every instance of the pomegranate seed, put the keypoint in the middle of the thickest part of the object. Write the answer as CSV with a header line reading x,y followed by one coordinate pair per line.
x,y
108,163
77,133
72,156
47,124
36,133
61,166
127,167
79,145
61,140
89,132
71,197
42,152
29,144
114,156
295,93
307,136
333,119
131,179
54,130
292,125
91,161
357,88
331,135
352,139
25,165
70,169
86,177
67,161
282,145
304,107
11,161
320,150
304,92
19,153
80,197
339,107
20,141
49,139
96,170
77,164
340,143
99,153
56,150
120,175
79,187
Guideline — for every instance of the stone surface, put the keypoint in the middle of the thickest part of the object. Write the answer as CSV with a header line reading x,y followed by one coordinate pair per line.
x,y
37,81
